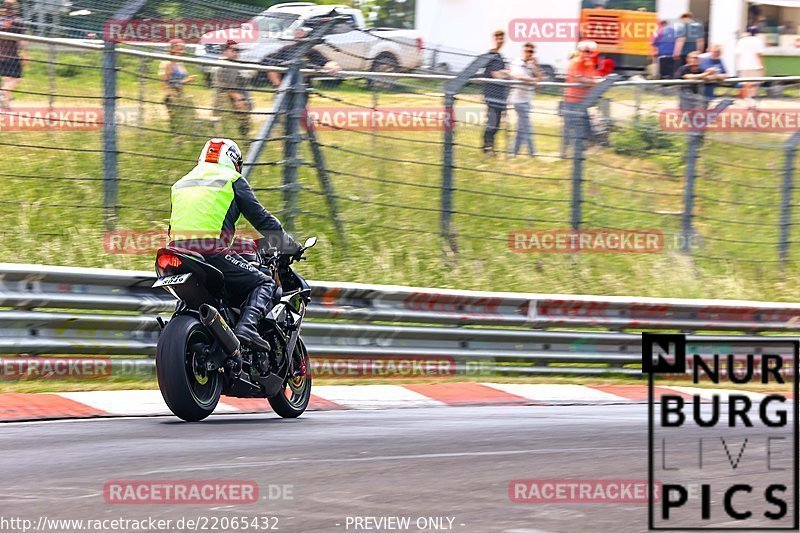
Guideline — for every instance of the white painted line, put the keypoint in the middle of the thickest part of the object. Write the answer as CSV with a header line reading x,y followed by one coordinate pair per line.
x,y
557,393
130,402
380,458
374,396
122,402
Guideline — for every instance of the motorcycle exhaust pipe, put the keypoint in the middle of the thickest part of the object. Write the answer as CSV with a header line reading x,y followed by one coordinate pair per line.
x,y
210,318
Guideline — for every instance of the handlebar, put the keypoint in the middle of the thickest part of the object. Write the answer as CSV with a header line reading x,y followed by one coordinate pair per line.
x,y
270,253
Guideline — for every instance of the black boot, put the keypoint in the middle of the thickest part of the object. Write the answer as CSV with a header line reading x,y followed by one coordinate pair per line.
x,y
258,304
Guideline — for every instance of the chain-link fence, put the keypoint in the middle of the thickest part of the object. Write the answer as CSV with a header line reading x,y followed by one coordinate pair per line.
x,y
396,169
84,19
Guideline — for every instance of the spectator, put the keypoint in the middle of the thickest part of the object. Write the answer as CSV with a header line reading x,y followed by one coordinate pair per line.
x,y
174,77
495,94
689,37
313,57
231,94
711,63
663,44
527,70
691,96
12,53
750,62
582,69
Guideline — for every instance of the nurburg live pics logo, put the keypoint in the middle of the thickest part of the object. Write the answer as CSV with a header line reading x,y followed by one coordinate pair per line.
x,y
725,457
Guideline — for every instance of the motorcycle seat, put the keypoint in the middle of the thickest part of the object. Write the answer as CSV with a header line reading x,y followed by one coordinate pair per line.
x,y
214,277
185,251
215,280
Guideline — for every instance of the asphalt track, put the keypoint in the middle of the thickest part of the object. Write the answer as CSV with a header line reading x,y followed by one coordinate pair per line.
x,y
429,462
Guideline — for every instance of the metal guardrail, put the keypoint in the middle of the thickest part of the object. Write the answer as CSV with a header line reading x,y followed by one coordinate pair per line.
x,y
85,311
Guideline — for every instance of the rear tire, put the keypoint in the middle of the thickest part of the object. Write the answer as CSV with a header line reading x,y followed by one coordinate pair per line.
x,y
293,400
191,394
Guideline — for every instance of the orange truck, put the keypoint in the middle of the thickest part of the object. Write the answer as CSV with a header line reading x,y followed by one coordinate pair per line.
x,y
621,35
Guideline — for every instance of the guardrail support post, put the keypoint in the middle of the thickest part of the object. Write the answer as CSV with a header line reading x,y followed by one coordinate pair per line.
x,y
291,147
279,106
692,154
578,115
577,167
787,190
52,59
451,89
281,101
142,90
447,170
324,177
110,133
687,230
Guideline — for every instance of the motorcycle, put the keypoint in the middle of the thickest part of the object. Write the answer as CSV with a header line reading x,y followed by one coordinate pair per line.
x,y
199,358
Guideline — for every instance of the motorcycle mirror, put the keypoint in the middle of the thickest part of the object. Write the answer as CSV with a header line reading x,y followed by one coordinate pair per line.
x,y
311,241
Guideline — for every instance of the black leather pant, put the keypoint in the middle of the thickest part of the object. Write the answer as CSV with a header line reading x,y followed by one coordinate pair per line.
x,y
241,278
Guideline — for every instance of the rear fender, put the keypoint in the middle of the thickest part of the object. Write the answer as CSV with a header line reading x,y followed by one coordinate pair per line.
x,y
195,291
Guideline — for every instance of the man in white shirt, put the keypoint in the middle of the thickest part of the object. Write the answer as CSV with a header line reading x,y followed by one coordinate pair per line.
x,y
526,70
750,62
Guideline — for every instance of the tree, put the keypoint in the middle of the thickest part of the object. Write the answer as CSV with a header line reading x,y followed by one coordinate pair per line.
x,y
390,13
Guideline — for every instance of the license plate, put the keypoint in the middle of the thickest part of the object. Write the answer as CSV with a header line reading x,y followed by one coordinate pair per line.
x,y
172,280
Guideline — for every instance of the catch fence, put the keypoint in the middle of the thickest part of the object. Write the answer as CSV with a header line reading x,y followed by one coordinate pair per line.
x,y
389,167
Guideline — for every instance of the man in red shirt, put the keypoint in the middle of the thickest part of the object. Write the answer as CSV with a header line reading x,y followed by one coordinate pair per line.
x,y
582,70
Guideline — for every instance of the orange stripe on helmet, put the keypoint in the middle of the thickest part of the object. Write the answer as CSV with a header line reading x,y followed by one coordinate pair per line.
x,y
213,152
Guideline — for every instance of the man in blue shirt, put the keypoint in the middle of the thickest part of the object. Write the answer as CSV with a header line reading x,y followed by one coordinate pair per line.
x,y
711,63
663,44
689,37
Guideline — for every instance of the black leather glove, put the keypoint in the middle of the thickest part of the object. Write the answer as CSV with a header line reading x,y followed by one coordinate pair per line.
x,y
280,241
289,245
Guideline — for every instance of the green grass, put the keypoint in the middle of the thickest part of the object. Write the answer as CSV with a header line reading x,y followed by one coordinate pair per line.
x,y
388,193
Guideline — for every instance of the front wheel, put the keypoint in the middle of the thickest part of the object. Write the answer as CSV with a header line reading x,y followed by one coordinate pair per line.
x,y
189,389
292,401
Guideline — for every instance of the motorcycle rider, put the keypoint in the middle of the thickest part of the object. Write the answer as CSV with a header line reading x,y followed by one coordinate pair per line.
x,y
206,203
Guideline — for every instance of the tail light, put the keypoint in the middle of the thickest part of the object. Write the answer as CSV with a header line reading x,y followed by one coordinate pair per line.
x,y
168,260
420,45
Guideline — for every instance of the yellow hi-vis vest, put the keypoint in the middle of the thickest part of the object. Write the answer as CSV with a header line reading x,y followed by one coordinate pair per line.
x,y
200,201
